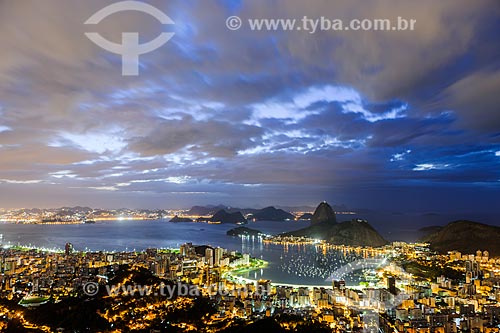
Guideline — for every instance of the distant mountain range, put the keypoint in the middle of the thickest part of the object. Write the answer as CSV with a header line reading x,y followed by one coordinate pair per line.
x,y
209,210
224,217
271,214
180,219
306,216
354,233
264,214
464,236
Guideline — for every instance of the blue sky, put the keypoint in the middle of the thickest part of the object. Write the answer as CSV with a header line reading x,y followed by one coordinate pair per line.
x,y
391,120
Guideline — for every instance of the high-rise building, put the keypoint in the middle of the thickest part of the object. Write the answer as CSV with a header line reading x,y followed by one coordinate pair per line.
x,y
183,250
186,249
9,267
160,267
339,285
68,248
264,287
209,256
219,252
391,285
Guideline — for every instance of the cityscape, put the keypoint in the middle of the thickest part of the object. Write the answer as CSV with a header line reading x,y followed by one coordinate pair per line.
x,y
223,166
403,287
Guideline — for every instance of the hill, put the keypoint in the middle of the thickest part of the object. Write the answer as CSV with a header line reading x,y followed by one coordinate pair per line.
x,y
204,210
431,230
352,233
243,231
272,214
180,219
224,217
426,231
324,213
466,237
264,214
306,216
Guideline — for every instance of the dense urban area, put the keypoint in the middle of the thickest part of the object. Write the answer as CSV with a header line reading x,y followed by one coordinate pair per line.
x,y
198,288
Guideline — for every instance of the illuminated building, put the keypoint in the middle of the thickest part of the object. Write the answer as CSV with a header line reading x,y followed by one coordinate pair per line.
x,y
68,248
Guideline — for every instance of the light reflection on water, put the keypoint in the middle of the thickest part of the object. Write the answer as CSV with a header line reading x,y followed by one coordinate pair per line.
x,y
304,264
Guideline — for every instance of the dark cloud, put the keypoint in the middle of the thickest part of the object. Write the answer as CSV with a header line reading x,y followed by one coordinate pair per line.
x,y
475,98
214,138
249,117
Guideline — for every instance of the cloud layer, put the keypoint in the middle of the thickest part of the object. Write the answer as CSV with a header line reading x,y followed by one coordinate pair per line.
x,y
251,117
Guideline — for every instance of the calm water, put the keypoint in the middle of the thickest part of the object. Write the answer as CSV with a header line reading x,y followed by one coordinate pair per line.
x,y
292,264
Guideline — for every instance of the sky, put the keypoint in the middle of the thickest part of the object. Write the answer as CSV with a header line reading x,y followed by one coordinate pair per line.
x,y
390,120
